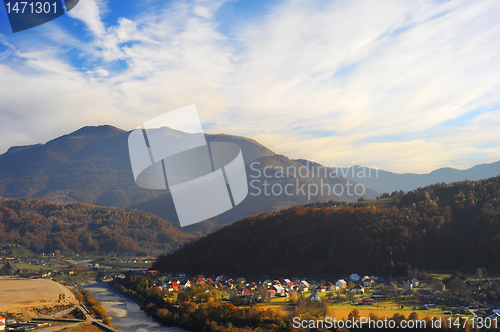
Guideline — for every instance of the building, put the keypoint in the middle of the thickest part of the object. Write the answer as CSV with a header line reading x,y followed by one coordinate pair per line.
x,y
2,323
314,297
341,284
9,268
184,284
354,277
358,289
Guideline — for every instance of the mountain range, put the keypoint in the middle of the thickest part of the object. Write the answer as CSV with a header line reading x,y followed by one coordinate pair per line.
x,y
92,165
388,182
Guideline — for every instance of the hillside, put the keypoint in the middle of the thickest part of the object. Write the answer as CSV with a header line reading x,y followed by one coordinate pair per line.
x,y
257,200
384,181
90,165
43,226
455,227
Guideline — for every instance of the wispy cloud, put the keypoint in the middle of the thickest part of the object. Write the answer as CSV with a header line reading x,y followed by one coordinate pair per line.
x,y
404,85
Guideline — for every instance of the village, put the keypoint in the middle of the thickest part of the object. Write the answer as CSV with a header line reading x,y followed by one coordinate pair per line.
x,y
471,298
431,295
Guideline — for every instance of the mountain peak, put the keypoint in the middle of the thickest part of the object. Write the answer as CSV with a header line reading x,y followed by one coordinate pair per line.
x,y
96,130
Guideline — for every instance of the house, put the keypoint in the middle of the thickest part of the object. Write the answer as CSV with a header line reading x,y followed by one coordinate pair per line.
x,y
368,282
305,284
407,286
267,283
414,282
365,302
221,278
9,268
341,284
271,293
354,277
331,287
279,290
185,284
314,297
153,274
2,323
358,289
425,294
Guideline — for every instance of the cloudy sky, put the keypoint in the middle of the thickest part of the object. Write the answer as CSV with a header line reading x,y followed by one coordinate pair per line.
x,y
407,86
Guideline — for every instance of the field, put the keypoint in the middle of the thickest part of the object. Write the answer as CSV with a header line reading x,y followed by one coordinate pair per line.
x,y
20,293
26,266
382,308
384,203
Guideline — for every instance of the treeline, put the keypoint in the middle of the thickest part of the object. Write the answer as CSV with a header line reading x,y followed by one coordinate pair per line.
x,y
199,315
95,308
442,226
44,226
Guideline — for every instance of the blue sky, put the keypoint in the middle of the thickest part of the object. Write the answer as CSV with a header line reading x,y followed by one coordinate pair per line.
x,y
407,86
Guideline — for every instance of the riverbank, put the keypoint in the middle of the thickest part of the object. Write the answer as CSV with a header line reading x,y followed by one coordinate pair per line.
x,y
125,314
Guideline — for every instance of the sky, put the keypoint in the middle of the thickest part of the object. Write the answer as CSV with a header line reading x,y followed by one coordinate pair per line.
x,y
405,86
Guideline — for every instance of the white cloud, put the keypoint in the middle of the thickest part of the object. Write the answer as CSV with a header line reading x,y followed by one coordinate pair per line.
x,y
375,83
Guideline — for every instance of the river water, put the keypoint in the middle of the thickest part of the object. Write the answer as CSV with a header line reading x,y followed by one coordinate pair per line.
x,y
125,314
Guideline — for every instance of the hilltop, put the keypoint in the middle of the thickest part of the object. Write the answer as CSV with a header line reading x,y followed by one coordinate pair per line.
x,y
437,227
42,226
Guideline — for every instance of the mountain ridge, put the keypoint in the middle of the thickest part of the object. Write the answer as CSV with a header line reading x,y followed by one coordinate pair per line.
x,y
388,182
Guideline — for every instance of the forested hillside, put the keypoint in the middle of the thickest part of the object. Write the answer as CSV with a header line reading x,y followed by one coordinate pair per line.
x,y
455,227
43,226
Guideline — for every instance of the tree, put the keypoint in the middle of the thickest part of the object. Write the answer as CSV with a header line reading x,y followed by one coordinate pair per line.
x,y
353,315
479,273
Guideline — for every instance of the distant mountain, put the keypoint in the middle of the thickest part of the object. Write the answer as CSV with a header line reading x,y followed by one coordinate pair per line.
x,y
92,165
43,227
442,227
383,181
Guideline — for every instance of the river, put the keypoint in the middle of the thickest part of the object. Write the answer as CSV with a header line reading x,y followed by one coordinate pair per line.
x,y
125,314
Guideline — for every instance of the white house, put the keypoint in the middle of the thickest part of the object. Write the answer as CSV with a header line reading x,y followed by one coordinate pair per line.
x,y
2,324
185,284
354,277
341,284
279,290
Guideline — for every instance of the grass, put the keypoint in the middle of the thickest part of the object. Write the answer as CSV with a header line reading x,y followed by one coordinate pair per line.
x,y
125,265
26,266
385,203
381,308
75,278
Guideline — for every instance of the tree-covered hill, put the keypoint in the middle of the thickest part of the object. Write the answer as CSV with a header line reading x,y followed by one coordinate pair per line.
x,y
43,226
442,226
